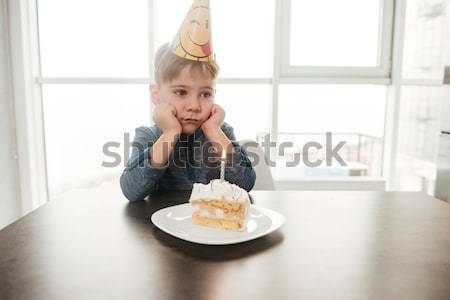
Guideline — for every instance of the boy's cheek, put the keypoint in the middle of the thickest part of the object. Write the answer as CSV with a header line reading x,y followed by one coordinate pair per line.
x,y
206,116
208,109
174,104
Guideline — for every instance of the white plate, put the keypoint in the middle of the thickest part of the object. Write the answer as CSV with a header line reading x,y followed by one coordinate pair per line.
x,y
176,220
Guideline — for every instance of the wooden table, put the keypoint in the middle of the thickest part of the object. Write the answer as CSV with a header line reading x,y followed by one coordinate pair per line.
x,y
335,245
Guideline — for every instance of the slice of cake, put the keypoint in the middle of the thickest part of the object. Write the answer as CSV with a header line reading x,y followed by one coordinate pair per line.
x,y
220,205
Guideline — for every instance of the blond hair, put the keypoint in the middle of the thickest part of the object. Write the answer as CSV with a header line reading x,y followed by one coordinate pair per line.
x,y
168,65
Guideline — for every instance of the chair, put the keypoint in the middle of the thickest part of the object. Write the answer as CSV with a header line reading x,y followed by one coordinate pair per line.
x,y
264,179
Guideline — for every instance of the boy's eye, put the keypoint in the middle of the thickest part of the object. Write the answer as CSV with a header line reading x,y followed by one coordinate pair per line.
x,y
206,95
180,92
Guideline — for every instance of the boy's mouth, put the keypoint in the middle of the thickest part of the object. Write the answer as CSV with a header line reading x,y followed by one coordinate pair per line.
x,y
190,121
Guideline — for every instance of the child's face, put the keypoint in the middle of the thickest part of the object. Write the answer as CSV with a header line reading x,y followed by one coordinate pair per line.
x,y
192,96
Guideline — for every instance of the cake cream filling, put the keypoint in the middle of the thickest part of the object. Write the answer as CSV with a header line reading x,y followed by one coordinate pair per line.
x,y
218,214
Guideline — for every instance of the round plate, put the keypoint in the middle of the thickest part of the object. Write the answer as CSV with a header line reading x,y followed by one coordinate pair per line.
x,y
176,220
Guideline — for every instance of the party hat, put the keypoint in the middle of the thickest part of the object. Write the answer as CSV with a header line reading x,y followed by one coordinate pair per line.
x,y
193,40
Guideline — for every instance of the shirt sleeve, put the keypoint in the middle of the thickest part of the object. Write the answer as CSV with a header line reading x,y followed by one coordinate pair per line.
x,y
239,168
139,179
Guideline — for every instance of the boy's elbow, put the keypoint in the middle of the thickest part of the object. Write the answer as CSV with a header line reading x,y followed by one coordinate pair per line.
x,y
250,183
127,190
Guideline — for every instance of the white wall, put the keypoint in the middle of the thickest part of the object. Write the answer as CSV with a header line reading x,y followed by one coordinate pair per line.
x,y
10,205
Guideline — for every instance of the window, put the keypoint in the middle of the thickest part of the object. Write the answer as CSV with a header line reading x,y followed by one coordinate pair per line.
x,y
337,38
79,121
276,76
353,114
341,36
421,95
101,38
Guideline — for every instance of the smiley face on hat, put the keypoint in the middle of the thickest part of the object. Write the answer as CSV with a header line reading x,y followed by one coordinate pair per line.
x,y
193,40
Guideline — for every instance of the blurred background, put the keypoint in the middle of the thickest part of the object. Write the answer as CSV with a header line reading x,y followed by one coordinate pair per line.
x,y
75,75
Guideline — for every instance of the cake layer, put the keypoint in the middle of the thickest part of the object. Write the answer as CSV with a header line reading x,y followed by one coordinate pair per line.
x,y
233,225
218,214
221,208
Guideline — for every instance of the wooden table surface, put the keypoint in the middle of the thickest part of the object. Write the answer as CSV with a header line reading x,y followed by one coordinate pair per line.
x,y
335,245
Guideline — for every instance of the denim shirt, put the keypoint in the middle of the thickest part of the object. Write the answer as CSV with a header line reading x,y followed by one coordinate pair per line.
x,y
191,161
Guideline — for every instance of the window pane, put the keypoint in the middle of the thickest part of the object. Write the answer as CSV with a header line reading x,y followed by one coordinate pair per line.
x,y
418,138
247,108
335,108
334,33
243,44
102,38
79,120
425,37
352,113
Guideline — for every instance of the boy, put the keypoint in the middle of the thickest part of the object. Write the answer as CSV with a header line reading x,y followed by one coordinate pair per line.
x,y
190,133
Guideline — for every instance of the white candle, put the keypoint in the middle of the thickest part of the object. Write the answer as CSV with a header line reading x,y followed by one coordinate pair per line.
x,y
222,166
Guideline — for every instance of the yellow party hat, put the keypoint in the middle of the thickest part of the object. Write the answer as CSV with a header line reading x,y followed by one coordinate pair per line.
x,y
193,40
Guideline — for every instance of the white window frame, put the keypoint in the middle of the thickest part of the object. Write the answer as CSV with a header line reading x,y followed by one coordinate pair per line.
x,y
301,74
27,95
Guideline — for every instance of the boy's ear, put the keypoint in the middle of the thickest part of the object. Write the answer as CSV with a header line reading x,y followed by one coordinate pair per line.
x,y
154,94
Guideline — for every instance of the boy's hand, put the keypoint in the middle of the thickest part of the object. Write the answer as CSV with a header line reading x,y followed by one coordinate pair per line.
x,y
213,131
165,118
215,120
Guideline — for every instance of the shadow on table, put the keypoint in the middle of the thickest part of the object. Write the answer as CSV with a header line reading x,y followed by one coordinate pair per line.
x,y
143,210
220,252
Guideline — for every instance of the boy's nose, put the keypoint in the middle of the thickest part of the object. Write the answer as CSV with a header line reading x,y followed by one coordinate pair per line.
x,y
193,104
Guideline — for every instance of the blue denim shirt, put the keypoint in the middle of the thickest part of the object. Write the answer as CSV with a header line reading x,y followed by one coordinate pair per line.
x,y
191,161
